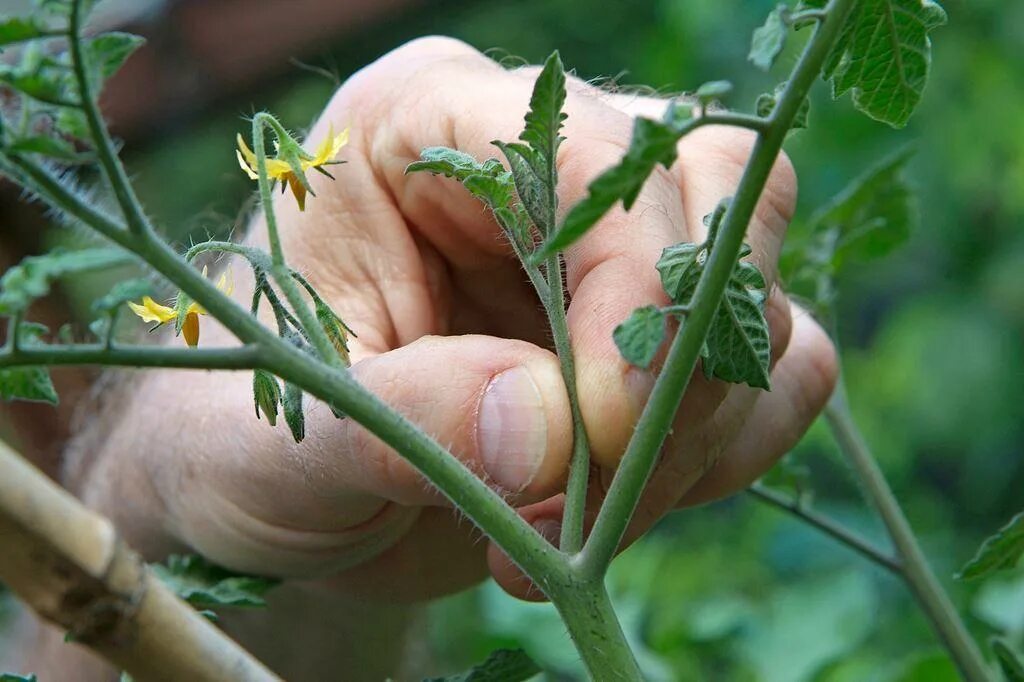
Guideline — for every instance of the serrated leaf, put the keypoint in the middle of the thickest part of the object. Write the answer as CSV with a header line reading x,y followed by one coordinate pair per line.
x,y
1009,662
530,183
766,102
121,293
291,405
31,278
107,52
769,39
653,142
640,336
873,215
20,29
205,584
883,55
503,665
999,551
30,383
680,267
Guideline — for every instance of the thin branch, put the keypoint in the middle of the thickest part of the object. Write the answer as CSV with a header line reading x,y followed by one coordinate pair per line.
x,y
239,357
641,455
67,563
827,526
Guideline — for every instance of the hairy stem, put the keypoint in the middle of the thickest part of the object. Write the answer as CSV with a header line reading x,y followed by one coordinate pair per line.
x,y
244,357
827,526
656,420
918,575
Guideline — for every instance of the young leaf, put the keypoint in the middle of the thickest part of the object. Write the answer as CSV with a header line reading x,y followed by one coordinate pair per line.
x,y
680,267
503,665
738,347
1000,551
53,147
204,584
19,29
712,90
769,39
882,56
765,105
28,383
653,142
31,278
11,677
291,403
640,336
873,215
1009,662
107,52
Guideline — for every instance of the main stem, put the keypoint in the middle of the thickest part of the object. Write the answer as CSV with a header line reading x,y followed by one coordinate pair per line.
x,y
918,575
656,420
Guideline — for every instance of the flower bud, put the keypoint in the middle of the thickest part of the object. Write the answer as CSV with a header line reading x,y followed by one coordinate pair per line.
x,y
335,329
266,393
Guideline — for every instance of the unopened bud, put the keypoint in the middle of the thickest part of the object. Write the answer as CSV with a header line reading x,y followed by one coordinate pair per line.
x,y
266,393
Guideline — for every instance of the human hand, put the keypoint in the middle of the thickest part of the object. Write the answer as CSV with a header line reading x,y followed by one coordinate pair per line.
x,y
451,335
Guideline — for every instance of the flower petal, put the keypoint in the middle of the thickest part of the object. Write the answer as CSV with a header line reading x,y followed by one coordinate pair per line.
x,y
151,311
253,175
298,190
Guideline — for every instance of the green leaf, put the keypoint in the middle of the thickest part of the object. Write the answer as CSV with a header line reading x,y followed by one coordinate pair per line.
x,y
640,336
653,142
680,266
20,29
873,215
31,278
43,86
121,293
882,56
291,404
766,102
769,39
205,584
1009,662
54,147
503,665
31,383
712,90
11,677
107,52
1000,551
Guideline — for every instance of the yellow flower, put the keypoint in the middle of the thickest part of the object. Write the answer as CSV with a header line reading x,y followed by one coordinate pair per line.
x,y
278,169
151,311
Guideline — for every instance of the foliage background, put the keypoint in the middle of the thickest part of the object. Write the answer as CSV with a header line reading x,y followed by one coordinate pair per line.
x,y
932,341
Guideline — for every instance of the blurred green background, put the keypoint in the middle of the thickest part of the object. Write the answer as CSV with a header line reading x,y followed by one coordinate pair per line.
x,y
932,342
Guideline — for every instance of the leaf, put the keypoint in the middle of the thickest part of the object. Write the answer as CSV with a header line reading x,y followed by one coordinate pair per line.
x,y
882,56
680,266
48,146
121,293
11,677
653,142
712,90
107,52
766,102
873,215
999,551
769,39
203,584
31,383
640,336
19,29
1009,662
291,405
31,278
503,665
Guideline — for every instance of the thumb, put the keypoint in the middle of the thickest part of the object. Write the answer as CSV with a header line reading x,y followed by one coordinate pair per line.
x,y
499,405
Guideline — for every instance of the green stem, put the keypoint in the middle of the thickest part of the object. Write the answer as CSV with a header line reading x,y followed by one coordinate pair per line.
x,y
256,257
827,526
736,120
587,613
244,357
656,420
112,168
918,575
579,468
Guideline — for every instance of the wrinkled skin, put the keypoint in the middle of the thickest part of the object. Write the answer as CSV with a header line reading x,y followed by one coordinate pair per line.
x,y
442,309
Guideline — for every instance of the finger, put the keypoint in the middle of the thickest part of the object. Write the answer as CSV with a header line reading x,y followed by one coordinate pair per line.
x,y
802,383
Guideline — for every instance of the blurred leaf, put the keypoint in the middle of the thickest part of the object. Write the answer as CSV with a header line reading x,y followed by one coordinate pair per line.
x,y
1009,661
28,383
882,55
1000,603
1000,551
43,85
937,667
640,336
54,147
107,52
504,665
769,39
653,142
121,293
31,278
11,677
20,29
712,90
202,583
